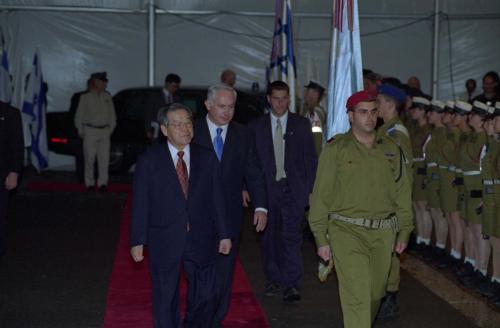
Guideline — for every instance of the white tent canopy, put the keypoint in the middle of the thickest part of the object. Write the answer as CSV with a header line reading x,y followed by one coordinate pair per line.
x,y
197,39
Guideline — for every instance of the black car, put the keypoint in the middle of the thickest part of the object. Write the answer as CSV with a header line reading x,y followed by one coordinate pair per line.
x,y
129,138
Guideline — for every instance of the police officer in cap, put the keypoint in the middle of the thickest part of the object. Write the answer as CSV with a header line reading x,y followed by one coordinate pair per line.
x,y
95,120
361,199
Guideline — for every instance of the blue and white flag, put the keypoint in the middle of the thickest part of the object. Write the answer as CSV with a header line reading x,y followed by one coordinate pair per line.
x,y
283,65
5,82
34,108
346,71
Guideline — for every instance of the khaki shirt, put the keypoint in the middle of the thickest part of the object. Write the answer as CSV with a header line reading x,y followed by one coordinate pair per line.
x,y
355,181
395,130
470,152
95,109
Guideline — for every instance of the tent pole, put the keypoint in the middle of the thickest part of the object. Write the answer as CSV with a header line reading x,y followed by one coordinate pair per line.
x,y
435,50
151,43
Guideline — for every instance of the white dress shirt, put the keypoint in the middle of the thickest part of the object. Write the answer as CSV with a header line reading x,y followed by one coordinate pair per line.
x,y
175,157
212,128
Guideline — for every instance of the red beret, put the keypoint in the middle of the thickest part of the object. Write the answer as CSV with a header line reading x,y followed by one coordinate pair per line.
x,y
361,96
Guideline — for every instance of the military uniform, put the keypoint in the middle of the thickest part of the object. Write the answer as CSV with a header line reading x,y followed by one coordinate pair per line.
x,y
95,120
359,195
419,138
489,182
470,165
447,170
432,157
395,130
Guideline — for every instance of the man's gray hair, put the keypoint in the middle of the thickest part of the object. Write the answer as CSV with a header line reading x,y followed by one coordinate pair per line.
x,y
162,112
212,91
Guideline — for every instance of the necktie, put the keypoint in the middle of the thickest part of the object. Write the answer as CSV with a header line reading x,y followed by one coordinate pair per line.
x,y
218,144
182,173
278,151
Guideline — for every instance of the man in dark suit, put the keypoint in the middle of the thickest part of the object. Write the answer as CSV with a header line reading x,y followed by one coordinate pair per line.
x,y
156,101
285,147
179,214
11,161
234,146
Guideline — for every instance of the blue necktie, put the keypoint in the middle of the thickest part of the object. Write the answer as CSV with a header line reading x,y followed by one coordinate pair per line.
x,y
218,143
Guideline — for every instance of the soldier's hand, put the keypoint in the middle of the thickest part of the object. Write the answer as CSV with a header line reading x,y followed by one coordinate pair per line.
x,y
225,246
11,181
400,247
246,198
137,253
324,253
260,220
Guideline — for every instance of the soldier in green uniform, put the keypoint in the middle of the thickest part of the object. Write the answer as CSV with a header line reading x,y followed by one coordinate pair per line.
x,y
361,198
495,229
390,101
476,248
433,159
462,110
448,191
314,112
487,287
419,139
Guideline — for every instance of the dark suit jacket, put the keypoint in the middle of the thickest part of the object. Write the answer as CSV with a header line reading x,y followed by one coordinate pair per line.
x,y
161,213
240,166
11,141
300,155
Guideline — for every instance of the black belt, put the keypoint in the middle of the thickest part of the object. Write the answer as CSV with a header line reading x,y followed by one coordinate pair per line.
x,y
421,171
97,126
476,194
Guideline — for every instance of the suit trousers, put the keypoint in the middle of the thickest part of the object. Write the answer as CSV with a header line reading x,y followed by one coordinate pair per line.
x,y
281,241
4,196
224,267
96,144
201,294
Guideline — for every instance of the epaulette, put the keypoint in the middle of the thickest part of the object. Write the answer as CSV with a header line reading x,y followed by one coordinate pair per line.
x,y
398,127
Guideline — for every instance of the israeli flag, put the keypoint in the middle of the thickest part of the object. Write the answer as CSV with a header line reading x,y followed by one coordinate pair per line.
x,y
283,64
5,82
346,71
34,108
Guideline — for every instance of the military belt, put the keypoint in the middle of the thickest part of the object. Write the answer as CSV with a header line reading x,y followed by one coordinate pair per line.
x,y
491,182
97,126
452,168
459,170
391,222
419,159
443,167
470,173
432,164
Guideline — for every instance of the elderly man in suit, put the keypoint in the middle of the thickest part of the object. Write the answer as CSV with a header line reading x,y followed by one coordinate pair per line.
x,y
285,147
234,146
11,160
179,214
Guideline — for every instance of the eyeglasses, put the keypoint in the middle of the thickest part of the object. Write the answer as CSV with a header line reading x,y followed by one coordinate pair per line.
x,y
179,125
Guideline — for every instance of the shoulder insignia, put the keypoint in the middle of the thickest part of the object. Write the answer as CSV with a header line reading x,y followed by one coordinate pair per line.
x,y
402,129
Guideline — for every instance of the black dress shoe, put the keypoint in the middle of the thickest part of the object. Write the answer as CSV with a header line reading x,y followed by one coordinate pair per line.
x,y
291,295
103,188
90,188
489,288
271,289
464,270
389,309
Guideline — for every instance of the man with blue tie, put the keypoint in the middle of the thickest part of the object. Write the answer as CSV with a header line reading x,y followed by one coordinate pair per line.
x,y
179,213
286,149
234,146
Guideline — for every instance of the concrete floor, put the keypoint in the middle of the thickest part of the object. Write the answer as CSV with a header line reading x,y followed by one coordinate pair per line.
x,y
62,246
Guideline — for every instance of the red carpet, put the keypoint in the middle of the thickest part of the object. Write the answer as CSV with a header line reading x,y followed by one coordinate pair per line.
x,y
129,292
